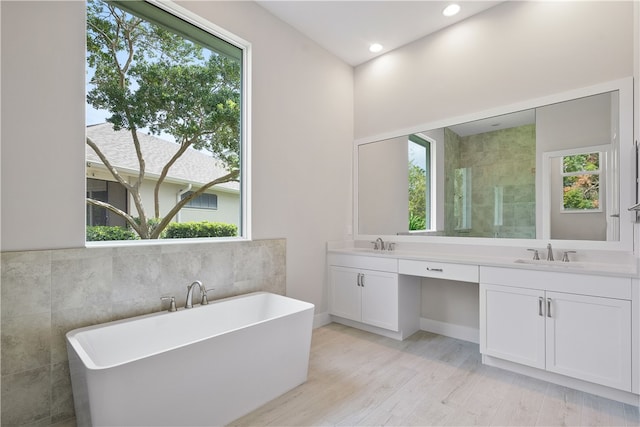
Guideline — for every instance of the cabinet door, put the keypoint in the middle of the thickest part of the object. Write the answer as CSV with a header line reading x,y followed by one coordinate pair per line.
x,y
344,293
512,324
380,299
589,338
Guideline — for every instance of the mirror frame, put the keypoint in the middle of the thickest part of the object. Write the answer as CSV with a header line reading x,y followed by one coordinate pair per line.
x,y
627,171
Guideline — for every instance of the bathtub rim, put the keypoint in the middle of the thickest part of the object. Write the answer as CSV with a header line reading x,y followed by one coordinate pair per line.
x,y
87,360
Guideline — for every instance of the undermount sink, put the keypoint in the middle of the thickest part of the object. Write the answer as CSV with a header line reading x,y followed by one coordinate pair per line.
x,y
542,262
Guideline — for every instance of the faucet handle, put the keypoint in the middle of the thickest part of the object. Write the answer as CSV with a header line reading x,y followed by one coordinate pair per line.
x,y
205,301
391,246
375,246
536,255
565,255
172,304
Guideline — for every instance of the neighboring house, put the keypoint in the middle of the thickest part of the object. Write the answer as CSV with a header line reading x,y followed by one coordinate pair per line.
x,y
220,203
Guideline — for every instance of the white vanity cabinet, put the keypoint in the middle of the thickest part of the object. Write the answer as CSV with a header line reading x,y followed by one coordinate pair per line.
x,y
365,296
369,292
575,325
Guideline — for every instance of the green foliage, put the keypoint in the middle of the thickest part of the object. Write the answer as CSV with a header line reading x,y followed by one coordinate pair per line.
x,y
416,222
185,230
581,191
581,162
152,223
152,78
417,197
173,231
102,233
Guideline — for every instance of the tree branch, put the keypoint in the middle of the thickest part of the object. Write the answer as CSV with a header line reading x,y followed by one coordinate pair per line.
x,y
132,189
108,165
163,175
130,220
231,176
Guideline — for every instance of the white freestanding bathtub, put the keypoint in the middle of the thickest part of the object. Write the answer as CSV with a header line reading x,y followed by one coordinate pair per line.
x,y
203,366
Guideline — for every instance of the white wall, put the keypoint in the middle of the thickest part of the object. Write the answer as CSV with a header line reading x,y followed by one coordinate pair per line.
x,y
510,53
302,129
43,125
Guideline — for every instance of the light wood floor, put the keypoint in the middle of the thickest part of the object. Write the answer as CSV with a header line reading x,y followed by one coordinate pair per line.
x,y
361,379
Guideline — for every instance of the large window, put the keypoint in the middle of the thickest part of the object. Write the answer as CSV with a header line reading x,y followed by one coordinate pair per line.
x,y
164,117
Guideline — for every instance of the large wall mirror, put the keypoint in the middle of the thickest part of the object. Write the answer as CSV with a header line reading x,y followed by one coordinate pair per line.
x,y
559,169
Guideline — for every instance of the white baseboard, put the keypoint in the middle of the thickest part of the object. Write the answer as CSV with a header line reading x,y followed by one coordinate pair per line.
x,y
464,333
321,319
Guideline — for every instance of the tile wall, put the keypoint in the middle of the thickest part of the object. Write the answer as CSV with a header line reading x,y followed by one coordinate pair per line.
x,y
48,293
505,160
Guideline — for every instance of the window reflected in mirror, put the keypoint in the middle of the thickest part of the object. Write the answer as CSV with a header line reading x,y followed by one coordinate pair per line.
x,y
581,182
419,148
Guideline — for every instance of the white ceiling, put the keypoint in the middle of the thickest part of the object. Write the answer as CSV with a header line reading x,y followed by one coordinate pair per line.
x,y
506,121
347,28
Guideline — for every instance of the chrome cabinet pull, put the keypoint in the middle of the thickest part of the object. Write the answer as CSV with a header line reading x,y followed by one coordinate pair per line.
x,y
362,280
548,307
434,269
540,306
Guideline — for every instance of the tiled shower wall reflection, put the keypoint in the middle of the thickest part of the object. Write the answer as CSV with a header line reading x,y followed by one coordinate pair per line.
x,y
502,166
48,293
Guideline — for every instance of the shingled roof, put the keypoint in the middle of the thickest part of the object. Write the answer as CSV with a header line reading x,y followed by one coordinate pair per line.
x,y
194,167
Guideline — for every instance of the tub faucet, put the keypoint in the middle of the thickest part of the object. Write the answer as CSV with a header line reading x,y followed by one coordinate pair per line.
x,y
189,303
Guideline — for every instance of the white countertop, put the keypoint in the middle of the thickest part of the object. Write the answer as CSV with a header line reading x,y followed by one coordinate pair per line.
x,y
623,269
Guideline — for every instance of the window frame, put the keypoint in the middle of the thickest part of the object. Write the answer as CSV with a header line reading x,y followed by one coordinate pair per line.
x,y
429,145
245,230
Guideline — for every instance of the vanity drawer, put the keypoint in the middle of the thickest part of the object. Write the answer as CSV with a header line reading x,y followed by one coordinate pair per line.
x,y
440,270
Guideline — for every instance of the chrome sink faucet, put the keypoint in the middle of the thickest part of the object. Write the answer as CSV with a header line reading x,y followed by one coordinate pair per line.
x,y
549,253
379,244
203,292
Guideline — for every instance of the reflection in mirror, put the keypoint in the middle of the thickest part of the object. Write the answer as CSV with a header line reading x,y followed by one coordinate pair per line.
x,y
490,177
579,144
577,194
500,177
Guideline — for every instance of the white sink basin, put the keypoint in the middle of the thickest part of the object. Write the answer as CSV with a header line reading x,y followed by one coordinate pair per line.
x,y
542,262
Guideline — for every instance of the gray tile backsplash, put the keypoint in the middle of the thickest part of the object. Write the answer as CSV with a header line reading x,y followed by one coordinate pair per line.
x,y
48,293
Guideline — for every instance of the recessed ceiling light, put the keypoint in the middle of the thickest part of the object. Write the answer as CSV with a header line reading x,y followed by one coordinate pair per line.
x,y
451,10
375,48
